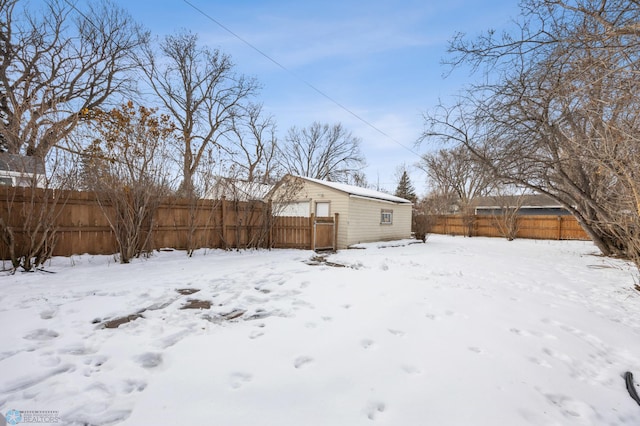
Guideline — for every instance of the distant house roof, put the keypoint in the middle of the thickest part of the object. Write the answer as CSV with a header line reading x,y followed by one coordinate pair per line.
x,y
523,201
357,191
21,164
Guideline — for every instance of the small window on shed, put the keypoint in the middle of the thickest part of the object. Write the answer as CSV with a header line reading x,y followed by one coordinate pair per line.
x,y
6,181
386,217
322,209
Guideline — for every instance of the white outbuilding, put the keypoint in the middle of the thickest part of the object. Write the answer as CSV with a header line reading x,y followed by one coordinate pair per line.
x,y
360,214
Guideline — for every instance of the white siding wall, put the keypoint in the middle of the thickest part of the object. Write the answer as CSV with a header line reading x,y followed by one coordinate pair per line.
x,y
364,221
294,208
339,204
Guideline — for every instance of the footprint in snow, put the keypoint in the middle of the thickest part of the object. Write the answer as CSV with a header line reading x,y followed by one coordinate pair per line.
x,y
374,409
302,361
41,334
149,359
239,379
367,344
475,349
255,334
398,333
49,313
132,385
77,349
411,369
540,362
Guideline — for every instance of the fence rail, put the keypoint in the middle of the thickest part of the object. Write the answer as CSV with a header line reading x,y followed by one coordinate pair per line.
x,y
82,226
534,227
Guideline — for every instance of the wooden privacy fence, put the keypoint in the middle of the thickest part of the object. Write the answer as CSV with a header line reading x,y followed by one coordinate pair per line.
x,y
315,233
82,226
535,227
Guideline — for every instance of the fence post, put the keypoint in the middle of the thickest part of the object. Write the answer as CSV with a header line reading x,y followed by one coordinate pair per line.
x,y
559,227
270,219
224,222
335,231
312,231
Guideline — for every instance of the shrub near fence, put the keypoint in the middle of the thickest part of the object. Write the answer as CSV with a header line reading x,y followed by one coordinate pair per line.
x,y
82,226
534,227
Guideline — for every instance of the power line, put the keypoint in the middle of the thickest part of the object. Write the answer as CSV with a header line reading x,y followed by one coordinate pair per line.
x,y
308,84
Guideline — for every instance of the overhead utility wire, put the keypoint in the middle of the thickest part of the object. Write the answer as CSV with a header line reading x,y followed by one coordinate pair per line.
x,y
311,86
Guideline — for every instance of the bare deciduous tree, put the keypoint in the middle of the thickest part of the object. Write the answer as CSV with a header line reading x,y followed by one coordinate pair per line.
x,y
321,151
560,112
200,91
56,63
456,174
253,146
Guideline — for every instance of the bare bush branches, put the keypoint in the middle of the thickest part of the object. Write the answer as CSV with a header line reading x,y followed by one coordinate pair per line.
x,y
127,167
30,209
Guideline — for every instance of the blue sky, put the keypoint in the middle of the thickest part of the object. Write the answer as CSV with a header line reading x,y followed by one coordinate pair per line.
x,y
380,59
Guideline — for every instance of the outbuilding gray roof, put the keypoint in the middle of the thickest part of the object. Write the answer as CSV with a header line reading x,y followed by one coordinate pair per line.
x,y
358,191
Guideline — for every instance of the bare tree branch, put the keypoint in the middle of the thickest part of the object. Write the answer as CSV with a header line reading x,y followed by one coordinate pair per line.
x,y
57,64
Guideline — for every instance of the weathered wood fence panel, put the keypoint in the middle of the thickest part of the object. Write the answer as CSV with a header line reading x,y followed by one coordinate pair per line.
x,y
292,232
82,226
534,227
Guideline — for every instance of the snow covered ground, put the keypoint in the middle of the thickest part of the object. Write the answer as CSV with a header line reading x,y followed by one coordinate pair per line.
x,y
455,331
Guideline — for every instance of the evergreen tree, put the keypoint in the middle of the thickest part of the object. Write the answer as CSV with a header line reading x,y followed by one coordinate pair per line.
x,y
405,188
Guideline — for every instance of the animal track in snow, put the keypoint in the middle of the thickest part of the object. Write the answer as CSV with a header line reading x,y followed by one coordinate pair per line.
x,y
398,333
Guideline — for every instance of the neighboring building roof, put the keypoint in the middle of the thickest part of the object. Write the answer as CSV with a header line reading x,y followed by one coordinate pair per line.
x,y
358,191
523,201
240,190
21,164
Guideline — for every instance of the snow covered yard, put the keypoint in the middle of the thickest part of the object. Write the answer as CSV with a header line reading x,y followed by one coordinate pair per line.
x,y
455,331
